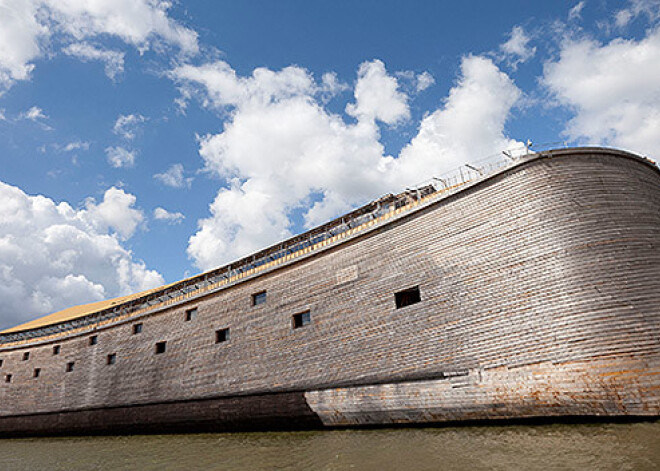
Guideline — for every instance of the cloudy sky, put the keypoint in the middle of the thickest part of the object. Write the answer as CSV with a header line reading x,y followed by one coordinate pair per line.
x,y
142,141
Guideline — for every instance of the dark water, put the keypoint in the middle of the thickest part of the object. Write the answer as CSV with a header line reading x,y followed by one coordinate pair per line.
x,y
585,447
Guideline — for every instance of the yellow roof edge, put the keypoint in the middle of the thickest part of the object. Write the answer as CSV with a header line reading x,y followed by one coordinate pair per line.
x,y
82,310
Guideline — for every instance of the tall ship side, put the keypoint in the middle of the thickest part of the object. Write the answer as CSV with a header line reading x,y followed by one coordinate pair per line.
x,y
532,291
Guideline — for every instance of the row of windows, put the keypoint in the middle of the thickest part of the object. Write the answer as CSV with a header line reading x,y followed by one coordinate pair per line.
x,y
222,335
402,298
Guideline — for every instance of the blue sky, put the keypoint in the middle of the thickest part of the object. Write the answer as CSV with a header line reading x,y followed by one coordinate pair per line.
x,y
144,141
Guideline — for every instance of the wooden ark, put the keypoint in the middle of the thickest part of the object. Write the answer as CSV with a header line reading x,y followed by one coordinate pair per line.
x,y
530,291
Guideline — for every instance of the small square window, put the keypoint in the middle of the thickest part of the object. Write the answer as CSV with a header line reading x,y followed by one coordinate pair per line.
x,y
69,366
93,340
191,314
112,359
7,378
160,347
56,349
222,335
258,298
407,297
37,372
137,328
301,319
26,356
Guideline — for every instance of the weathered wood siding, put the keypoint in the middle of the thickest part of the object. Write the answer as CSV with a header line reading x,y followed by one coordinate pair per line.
x,y
552,266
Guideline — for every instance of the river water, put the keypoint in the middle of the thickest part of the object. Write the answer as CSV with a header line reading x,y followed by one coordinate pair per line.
x,y
615,446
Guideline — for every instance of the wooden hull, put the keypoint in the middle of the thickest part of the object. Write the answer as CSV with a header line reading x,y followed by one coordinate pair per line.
x,y
540,297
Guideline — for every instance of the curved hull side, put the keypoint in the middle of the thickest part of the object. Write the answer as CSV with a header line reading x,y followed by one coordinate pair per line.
x,y
539,297
608,387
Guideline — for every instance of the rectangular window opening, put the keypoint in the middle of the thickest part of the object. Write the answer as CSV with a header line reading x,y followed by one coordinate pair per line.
x,y
112,359
137,328
56,349
1,362
258,298
301,319
407,297
191,314
222,335
160,347
7,378
26,356
37,372
69,366
93,340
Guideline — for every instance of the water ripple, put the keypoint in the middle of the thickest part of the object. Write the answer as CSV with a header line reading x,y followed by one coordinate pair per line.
x,y
634,446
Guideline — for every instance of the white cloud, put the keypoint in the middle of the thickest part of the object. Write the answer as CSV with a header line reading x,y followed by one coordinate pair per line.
x,y
120,157
114,213
424,81
331,85
649,8
53,256
161,214
622,18
411,83
136,22
218,85
575,13
33,114
20,39
517,48
469,126
613,90
113,60
76,145
127,126
377,96
174,177
27,25
281,148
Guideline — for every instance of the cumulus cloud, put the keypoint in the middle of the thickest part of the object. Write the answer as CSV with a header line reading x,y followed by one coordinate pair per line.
x,y
53,256
27,25
120,157
470,125
174,177
517,49
377,96
283,153
113,60
127,126
115,213
161,214
20,40
218,85
140,23
613,90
